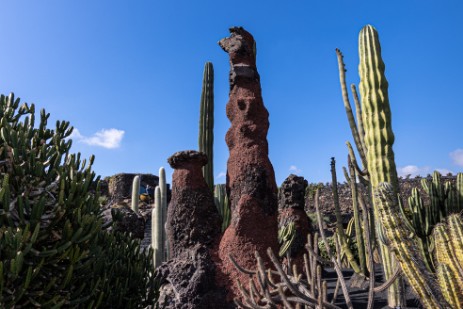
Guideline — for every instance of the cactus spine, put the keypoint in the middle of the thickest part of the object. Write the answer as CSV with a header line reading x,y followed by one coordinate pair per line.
x,y
135,193
206,123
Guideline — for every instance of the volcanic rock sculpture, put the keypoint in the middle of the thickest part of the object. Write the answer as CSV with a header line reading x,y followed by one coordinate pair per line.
x,y
193,226
251,182
291,205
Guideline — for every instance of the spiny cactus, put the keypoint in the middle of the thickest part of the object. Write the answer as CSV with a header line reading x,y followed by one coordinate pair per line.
x,y
158,221
157,228
135,193
422,217
448,240
206,123
53,248
221,202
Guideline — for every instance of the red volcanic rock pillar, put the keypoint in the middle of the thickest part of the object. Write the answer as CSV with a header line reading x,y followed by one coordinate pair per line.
x,y
251,182
193,228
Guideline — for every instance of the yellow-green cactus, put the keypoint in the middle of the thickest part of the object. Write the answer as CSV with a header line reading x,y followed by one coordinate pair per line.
x,y
379,139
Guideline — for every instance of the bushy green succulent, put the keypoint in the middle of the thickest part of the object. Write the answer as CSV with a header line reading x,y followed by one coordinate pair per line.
x,y
54,251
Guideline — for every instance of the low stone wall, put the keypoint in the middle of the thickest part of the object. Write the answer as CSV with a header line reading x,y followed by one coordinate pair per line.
x,y
345,197
119,186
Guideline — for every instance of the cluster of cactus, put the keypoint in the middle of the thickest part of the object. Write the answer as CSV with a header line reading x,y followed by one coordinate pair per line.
x,y
449,259
54,249
373,137
286,236
285,286
421,217
159,241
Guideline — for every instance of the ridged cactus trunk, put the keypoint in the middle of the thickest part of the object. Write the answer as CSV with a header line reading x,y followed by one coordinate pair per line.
x,y
135,193
206,123
159,241
163,200
379,138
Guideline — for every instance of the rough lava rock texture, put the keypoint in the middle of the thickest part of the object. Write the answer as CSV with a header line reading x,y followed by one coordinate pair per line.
x,y
193,227
291,205
251,185
126,220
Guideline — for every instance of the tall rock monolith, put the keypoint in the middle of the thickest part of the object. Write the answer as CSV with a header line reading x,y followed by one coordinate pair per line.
x,y
193,229
251,185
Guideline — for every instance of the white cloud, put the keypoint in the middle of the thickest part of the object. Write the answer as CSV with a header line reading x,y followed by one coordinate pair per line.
x,y
457,157
294,169
413,171
221,175
444,171
107,138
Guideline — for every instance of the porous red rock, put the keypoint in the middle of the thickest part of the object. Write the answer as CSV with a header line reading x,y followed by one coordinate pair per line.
x,y
251,182
291,201
193,227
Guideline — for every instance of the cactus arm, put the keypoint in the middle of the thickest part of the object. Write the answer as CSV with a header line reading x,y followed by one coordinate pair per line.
x,y
459,187
357,223
456,236
348,107
358,114
342,235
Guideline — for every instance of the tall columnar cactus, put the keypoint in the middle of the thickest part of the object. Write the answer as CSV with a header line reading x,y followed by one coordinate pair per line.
x,y
158,221
206,123
163,209
375,147
157,226
135,193
379,138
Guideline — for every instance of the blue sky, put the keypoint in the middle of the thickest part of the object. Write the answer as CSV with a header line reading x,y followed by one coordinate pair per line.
x,y
127,75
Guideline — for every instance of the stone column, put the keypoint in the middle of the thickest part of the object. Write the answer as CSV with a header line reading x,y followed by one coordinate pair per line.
x,y
291,206
251,185
193,227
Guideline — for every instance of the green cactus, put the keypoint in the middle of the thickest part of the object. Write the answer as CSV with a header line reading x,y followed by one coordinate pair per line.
x,y
379,138
53,247
159,241
449,260
163,191
339,226
422,217
135,193
157,229
408,255
206,123
221,202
